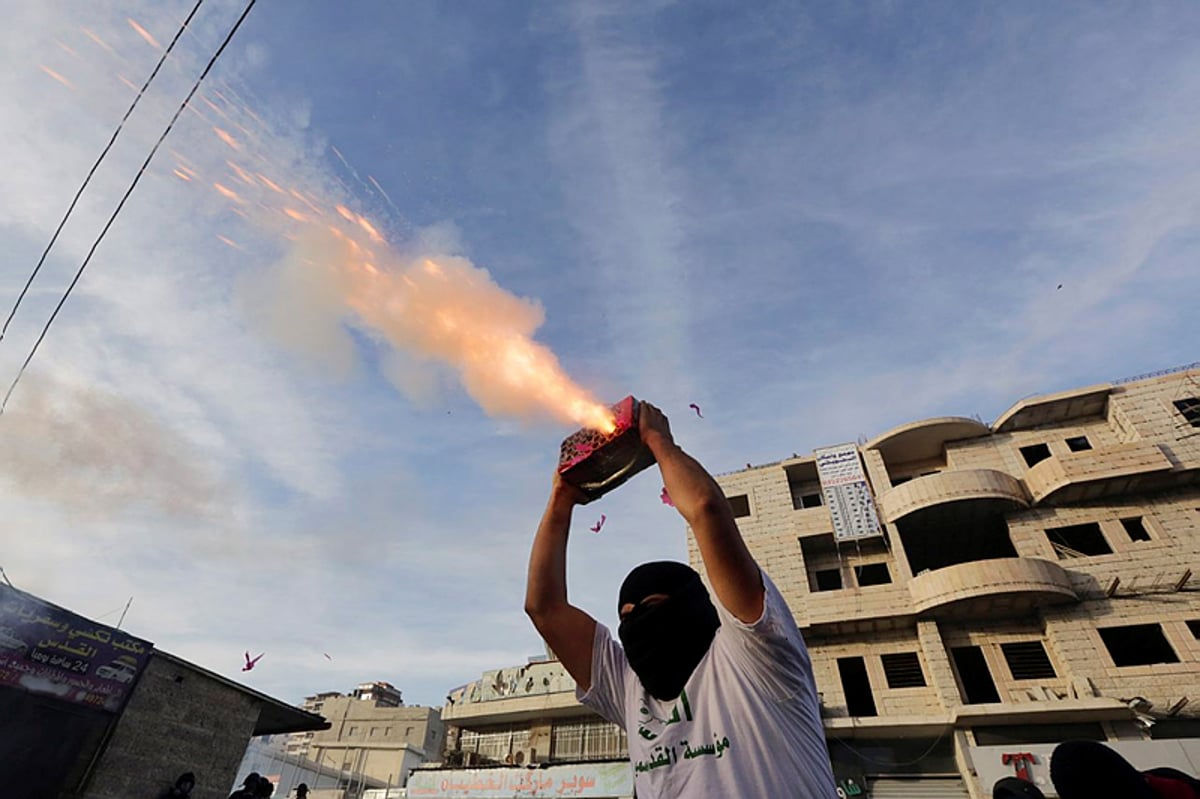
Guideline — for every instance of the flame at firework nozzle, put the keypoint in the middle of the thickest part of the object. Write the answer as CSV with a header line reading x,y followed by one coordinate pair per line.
x,y
597,461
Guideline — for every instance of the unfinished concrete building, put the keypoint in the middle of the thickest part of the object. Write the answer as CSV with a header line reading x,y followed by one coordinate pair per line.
x,y
972,594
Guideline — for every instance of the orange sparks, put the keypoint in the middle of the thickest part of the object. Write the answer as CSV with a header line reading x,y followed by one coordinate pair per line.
x,y
98,40
179,173
66,48
208,103
345,213
306,201
231,243
145,34
242,174
127,82
371,231
269,184
56,76
225,137
227,193
294,214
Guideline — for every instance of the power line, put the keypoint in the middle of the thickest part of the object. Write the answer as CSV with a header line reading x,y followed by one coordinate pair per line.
x,y
136,179
71,208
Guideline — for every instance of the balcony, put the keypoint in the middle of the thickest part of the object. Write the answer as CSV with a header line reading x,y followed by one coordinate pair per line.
x,y
918,441
978,485
520,693
1099,473
1054,408
995,587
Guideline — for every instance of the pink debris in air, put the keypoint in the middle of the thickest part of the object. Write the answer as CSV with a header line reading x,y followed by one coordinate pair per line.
x,y
595,528
666,498
251,662
696,408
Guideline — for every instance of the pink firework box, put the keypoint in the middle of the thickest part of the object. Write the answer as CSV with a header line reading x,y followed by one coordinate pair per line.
x,y
598,462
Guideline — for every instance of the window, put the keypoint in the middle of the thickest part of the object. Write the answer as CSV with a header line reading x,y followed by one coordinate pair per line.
x,y
1136,529
1035,454
903,670
387,730
1078,444
1137,645
857,686
812,500
353,732
872,574
1078,540
1027,660
587,740
374,731
494,744
900,480
974,676
1194,628
827,579
1190,408
740,505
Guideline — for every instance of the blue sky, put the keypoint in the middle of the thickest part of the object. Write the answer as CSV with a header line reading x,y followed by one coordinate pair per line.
x,y
815,222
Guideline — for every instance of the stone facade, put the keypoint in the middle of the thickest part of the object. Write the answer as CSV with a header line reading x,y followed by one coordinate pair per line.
x,y
1047,558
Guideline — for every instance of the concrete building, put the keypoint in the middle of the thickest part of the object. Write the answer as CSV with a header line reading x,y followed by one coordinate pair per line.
x,y
972,594
372,733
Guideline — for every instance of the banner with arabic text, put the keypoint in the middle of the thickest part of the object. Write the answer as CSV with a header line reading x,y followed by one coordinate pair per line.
x,y
48,650
585,780
847,493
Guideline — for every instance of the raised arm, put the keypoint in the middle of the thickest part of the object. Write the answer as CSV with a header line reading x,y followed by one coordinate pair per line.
x,y
567,629
731,568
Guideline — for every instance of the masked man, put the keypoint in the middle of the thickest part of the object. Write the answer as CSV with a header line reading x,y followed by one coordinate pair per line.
x,y
717,698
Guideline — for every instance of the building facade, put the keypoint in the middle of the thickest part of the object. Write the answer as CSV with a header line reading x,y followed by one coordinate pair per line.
x,y
972,594
371,733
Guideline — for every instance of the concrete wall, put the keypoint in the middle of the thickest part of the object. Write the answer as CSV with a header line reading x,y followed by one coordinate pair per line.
x,y
177,720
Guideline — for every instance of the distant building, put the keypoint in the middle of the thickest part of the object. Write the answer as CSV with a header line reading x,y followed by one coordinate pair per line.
x,y
93,712
372,733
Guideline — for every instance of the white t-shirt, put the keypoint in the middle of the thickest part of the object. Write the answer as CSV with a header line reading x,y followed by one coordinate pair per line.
x,y
747,725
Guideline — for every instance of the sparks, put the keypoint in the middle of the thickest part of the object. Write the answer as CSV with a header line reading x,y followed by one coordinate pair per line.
x,y
225,137
227,193
66,48
294,214
231,243
56,76
242,174
98,40
128,83
270,184
145,34
371,231
179,173
345,213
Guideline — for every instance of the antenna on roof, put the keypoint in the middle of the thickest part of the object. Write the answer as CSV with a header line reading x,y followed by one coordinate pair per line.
x,y
126,610
5,576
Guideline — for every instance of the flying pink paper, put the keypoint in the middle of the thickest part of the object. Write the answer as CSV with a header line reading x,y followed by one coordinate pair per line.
x,y
696,408
251,662
666,498
595,528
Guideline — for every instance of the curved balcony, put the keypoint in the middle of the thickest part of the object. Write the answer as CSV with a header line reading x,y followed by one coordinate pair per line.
x,y
1098,473
978,485
1054,408
918,441
984,588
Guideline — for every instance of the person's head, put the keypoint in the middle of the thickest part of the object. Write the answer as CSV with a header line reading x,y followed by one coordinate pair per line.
x,y
1016,788
264,788
251,780
667,624
1087,769
301,790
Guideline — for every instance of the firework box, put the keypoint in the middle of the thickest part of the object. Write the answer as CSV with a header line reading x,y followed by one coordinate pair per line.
x,y
597,462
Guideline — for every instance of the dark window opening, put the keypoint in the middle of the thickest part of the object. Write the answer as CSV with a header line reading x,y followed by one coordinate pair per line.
x,y
740,505
900,480
1136,529
935,542
857,686
1194,628
1078,444
1035,454
974,678
872,574
1190,408
1137,645
903,670
827,579
1027,660
811,500
1078,540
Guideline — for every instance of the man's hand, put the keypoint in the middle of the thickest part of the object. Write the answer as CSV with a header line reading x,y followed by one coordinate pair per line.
x,y
566,494
653,426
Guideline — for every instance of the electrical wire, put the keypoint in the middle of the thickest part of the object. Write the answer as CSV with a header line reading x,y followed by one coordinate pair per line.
x,y
116,133
133,185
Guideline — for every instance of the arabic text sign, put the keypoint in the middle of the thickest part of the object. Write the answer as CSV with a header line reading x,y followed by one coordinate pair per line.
x,y
847,493
600,779
48,650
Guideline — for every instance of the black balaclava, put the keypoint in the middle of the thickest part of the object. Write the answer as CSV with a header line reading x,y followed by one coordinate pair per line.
x,y
665,642
1087,769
